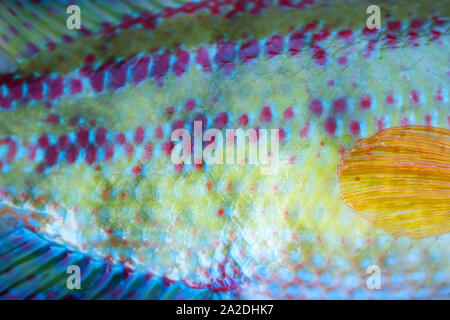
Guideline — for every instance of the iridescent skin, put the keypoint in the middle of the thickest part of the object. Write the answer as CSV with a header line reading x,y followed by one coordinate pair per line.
x,y
326,84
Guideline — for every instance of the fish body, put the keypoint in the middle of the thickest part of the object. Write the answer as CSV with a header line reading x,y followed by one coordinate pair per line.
x,y
86,132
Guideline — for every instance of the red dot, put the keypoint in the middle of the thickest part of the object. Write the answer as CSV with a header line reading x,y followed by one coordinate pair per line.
x,y
340,105
355,128
83,136
266,114
243,120
139,135
159,132
178,124
120,138
330,126
342,60
288,113
63,142
390,99
190,104
167,148
178,167
414,96
100,136
365,102
52,118
394,26
72,154
221,120
316,107
109,151
43,141
51,156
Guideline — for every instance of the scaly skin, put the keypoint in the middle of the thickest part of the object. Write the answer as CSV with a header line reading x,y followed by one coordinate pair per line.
x,y
230,226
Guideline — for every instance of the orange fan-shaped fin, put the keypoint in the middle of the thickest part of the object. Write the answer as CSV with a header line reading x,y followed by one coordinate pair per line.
x,y
399,179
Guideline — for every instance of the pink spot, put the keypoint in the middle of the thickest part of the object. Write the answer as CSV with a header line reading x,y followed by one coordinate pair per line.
x,y
52,118
266,114
137,171
51,156
109,151
91,154
355,128
379,123
416,24
394,26
296,43
16,89
118,75
97,80
56,87
181,62
72,154
305,130
36,88
390,99
404,121
140,69
83,137
438,96
288,113
160,65
340,105
167,148
330,83
170,110
319,56
316,107
139,135
281,134
13,30
178,124
428,120
190,104
370,48
159,133
438,20
414,97
225,56
322,35
90,58
346,35
365,102
330,126
148,152
178,167
243,120
63,142
76,86
120,138
249,50
100,136
221,120
43,141
274,45
342,60
202,59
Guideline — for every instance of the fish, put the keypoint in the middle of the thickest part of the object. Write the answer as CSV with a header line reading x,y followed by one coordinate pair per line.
x,y
362,119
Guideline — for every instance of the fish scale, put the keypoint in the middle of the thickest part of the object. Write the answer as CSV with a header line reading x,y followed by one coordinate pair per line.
x,y
85,134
